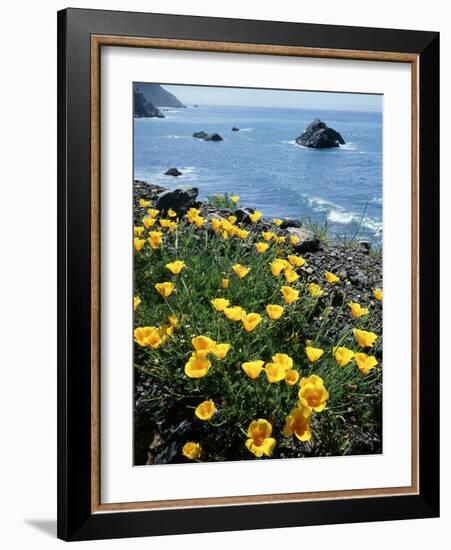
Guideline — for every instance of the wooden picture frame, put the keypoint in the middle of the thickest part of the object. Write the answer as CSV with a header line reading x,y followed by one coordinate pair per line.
x,y
81,35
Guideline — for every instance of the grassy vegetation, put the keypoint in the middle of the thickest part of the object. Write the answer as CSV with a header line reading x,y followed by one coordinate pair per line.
x,y
327,414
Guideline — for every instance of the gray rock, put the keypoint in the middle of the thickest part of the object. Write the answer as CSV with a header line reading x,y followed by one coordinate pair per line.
x,y
179,199
308,241
318,135
213,137
357,277
200,135
364,246
173,172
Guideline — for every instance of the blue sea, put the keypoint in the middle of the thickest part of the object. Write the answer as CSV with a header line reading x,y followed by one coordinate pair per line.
x,y
263,164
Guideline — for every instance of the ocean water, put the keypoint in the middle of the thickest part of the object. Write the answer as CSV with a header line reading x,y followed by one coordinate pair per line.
x,y
263,164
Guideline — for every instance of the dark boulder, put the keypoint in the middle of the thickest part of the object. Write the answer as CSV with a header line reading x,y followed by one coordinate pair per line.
x,y
308,241
364,247
213,137
173,172
235,129
200,135
242,215
290,222
179,199
318,135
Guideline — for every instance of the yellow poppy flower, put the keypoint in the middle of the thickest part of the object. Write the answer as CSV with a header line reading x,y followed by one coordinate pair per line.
x,y
290,275
250,321
148,337
173,321
232,219
357,310
291,377
255,216
136,302
277,266
205,410
331,278
197,366
167,330
343,356
240,270
253,368
172,213
220,350
153,212
274,311
154,239
165,223
235,198
280,240
294,240
289,294
138,231
259,440
261,247
378,294
277,221
315,290
138,243
296,261
192,214
199,221
203,344
191,450
268,235
149,222
365,362
241,233
298,423
143,203
283,359
216,224
275,372
176,267
224,282
364,338
165,289
220,304
312,393
313,354
234,313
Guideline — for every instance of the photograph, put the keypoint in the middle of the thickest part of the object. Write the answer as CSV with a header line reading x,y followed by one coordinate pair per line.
x,y
257,241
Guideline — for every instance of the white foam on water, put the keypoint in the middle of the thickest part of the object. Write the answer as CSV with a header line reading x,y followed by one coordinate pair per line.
x,y
172,136
336,216
339,215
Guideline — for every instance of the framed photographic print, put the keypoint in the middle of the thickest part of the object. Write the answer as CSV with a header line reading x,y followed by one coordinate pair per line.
x,y
248,274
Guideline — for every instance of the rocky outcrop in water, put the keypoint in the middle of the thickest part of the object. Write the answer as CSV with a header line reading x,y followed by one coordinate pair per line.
x,y
143,108
207,137
173,172
318,135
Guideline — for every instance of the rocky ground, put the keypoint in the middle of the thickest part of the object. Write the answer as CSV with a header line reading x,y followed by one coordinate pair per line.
x,y
359,268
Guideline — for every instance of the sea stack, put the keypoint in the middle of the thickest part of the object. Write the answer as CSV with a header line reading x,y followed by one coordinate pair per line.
x,y
318,135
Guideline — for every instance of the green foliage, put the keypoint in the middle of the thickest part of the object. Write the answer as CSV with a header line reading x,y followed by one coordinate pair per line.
x,y
354,408
222,201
